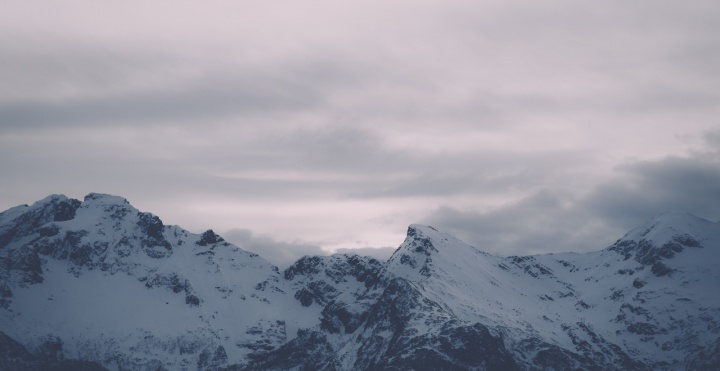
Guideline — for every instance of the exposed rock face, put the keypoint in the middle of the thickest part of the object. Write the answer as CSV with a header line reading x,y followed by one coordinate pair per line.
x,y
98,284
209,238
55,208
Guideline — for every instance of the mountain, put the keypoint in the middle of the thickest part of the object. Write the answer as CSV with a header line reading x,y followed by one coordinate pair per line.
x,y
99,285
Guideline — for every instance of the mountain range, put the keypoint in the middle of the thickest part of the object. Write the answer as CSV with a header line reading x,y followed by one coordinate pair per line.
x,y
97,284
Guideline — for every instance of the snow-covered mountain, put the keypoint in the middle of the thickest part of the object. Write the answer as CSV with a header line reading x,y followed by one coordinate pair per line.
x,y
98,284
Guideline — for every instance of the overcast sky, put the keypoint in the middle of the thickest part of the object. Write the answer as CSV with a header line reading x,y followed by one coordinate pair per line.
x,y
296,128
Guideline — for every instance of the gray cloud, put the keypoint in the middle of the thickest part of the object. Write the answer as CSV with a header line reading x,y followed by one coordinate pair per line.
x,y
647,188
486,172
208,99
282,254
500,122
712,139
555,221
52,70
539,223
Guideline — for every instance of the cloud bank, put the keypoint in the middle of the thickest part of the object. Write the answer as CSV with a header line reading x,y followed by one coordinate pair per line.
x,y
316,127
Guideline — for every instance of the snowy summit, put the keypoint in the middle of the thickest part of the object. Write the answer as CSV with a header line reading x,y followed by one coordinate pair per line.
x,y
97,284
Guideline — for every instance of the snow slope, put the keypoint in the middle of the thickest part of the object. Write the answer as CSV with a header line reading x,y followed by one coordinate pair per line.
x,y
100,282
117,286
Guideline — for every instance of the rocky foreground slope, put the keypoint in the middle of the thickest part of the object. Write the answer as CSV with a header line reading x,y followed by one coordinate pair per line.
x,y
98,284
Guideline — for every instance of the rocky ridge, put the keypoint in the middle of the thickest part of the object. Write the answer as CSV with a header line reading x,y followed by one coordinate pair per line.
x,y
100,284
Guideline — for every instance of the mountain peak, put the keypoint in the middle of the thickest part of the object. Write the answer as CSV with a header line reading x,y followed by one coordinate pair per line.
x,y
667,226
415,228
421,238
105,199
663,237
425,250
53,198
23,220
55,207
100,281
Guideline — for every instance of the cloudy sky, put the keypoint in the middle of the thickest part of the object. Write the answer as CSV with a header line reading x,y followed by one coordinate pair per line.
x,y
296,128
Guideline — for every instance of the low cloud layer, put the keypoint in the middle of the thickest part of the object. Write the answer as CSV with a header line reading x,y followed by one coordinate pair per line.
x,y
552,221
283,254
520,127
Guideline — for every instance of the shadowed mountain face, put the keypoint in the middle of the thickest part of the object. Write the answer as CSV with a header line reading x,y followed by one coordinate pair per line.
x,y
98,284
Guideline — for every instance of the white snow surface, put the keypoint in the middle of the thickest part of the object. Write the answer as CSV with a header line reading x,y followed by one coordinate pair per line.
x,y
653,293
101,313
541,294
